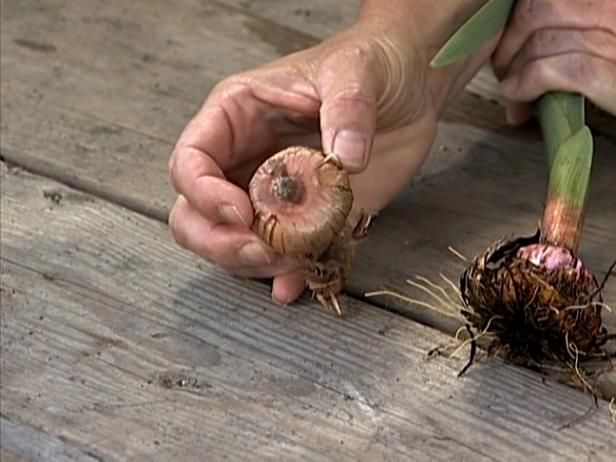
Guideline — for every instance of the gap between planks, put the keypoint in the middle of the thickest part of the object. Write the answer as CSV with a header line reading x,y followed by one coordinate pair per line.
x,y
109,334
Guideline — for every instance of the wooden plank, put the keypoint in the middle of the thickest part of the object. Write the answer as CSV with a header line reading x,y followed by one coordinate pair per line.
x,y
35,446
107,126
119,344
166,68
317,18
6,456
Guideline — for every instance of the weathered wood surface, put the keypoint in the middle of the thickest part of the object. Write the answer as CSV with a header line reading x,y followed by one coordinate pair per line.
x,y
103,115
116,345
6,456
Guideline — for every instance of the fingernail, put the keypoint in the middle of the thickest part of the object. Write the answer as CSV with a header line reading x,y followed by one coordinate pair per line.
x,y
230,214
350,146
253,253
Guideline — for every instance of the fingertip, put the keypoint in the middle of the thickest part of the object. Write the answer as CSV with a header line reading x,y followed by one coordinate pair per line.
x,y
352,148
348,124
518,113
221,201
288,287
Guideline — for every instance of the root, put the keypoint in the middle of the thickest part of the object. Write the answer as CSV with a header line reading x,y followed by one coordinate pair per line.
x,y
450,301
573,351
472,354
583,307
410,301
604,281
447,303
454,287
438,350
457,254
336,305
444,304
472,340
593,405
329,302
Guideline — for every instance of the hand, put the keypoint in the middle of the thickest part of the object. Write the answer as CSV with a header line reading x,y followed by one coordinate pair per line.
x,y
566,45
363,94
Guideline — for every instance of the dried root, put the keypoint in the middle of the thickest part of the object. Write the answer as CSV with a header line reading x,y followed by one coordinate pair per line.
x,y
328,275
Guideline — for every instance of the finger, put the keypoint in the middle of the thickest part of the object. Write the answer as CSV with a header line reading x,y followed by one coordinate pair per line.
x,y
261,272
348,88
196,168
591,76
530,16
235,248
518,113
288,287
551,42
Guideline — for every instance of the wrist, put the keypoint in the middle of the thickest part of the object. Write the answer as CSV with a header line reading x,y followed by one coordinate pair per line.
x,y
422,27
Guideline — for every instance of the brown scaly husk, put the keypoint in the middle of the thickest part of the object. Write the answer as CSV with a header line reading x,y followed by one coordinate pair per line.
x,y
535,317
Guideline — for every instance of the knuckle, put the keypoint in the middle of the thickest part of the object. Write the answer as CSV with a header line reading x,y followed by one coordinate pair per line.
x,y
354,93
579,68
231,87
172,166
350,56
542,42
359,51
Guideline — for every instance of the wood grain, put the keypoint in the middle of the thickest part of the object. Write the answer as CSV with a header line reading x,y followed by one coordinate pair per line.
x,y
6,456
317,18
98,105
35,446
119,346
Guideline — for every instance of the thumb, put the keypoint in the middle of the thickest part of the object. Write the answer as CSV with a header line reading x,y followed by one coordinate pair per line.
x,y
348,113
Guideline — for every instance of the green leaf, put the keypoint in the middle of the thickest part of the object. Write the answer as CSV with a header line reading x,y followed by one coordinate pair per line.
x,y
561,115
571,169
484,24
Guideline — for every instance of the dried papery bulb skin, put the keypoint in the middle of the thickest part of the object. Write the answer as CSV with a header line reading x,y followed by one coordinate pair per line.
x,y
327,276
301,201
538,301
